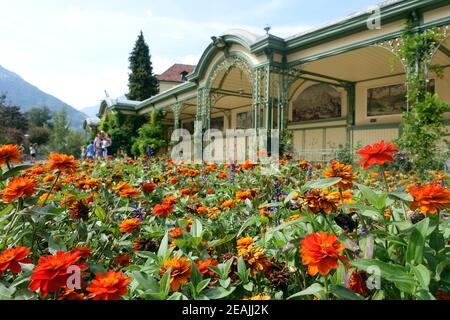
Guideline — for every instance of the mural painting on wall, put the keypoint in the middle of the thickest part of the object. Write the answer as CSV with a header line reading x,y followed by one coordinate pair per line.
x,y
389,100
320,101
244,120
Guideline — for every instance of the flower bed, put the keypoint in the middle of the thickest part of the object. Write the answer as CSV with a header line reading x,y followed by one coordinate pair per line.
x,y
125,229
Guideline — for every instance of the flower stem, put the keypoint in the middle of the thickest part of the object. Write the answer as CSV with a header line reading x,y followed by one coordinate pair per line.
x,y
329,224
51,189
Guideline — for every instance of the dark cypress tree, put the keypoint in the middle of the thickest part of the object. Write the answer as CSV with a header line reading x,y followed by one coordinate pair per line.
x,y
142,83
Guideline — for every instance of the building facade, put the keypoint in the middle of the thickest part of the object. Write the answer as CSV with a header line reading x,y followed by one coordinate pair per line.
x,y
337,85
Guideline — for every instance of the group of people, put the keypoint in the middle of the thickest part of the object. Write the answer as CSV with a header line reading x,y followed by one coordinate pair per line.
x,y
99,148
33,152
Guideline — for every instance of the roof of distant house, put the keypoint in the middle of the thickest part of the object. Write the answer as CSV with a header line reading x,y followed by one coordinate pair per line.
x,y
175,72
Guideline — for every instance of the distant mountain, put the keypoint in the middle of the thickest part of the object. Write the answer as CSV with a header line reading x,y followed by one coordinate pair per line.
x,y
91,112
27,96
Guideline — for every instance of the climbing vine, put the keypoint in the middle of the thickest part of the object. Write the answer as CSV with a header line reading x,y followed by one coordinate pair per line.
x,y
423,129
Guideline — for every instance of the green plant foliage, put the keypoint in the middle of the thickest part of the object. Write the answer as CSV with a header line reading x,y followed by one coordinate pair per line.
x,y
422,128
150,134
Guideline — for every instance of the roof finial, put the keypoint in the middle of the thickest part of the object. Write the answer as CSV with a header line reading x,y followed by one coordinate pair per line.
x,y
106,94
267,28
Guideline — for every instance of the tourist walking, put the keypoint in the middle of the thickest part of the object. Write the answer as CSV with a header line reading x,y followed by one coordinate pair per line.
x,y
106,143
90,151
98,145
33,152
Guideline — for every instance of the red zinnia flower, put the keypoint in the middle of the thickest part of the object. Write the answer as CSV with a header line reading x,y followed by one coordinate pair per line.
x,y
111,286
10,258
52,272
321,252
203,266
148,187
430,198
378,153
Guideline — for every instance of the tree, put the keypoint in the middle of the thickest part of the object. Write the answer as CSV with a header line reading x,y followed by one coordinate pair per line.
x,y
60,131
11,117
150,134
142,83
39,135
122,129
11,136
39,116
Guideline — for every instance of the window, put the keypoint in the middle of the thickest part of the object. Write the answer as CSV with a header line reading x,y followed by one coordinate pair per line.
x,y
244,120
389,100
184,76
319,101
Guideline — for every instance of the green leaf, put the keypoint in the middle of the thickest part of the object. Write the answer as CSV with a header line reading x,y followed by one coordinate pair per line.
x,y
320,184
225,282
165,283
100,213
202,285
402,196
416,243
287,224
250,221
314,289
197,229
219,242
15,170
390,272
423,275
218,293
344,293
146,282
6,210
243,272
163,247
196,277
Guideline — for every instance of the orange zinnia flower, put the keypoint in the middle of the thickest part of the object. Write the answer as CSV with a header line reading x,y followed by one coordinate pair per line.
x,y
170,200
162,210
130,225
10,153
130,193
340,170
121,186
184,192
430,198
321,252
243,244
242,195
111,286
248,164
61,162
175,233
378,153
228,204
222,175
52,272
10,258
203,266
321,200
18,188
180,271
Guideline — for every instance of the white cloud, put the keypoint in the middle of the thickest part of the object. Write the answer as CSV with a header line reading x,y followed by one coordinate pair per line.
x,y
191,59
75,52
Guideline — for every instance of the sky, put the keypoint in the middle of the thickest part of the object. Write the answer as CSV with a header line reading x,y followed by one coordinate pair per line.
x,y
77,49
